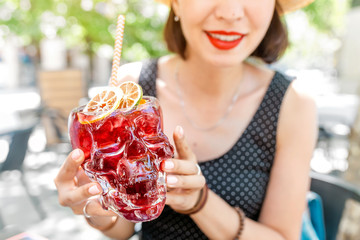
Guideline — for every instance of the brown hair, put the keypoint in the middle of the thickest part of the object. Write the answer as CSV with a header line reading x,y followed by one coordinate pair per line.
x,y
269,50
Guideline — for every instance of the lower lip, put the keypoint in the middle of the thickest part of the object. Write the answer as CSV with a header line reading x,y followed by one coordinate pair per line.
x,y
224,45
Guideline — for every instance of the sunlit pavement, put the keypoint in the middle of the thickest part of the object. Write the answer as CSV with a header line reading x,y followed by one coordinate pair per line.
x,y
19,214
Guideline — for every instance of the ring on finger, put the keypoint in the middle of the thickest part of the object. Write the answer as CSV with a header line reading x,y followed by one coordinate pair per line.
x,y
84,209
199,169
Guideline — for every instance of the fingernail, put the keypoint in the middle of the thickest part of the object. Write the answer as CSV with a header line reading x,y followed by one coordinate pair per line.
x,y
76,154
169,164
180,131
94,190
171,179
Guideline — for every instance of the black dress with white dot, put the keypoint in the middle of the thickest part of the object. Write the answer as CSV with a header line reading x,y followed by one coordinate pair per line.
x,y
240,176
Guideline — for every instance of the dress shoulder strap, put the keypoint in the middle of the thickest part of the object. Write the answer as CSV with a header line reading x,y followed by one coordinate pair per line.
x,y
148,75
263,127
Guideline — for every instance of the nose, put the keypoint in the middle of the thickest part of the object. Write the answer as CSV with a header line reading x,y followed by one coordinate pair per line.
x,y
230,10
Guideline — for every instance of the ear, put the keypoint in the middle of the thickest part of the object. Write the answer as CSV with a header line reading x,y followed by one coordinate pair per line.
x,y
175,6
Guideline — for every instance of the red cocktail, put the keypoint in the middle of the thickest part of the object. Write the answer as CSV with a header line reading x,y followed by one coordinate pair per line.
x,y
123,152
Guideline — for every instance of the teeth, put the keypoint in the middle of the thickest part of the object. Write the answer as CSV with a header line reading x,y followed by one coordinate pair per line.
x,y
227,38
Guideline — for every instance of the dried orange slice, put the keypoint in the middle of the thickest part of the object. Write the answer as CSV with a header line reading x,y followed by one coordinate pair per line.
x,y
142,101
102,105
132,95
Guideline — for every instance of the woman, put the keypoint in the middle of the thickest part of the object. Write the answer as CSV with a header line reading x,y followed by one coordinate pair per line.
x,y
249,128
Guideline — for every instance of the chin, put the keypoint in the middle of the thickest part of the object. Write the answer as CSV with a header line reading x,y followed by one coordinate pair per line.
x,y
225,61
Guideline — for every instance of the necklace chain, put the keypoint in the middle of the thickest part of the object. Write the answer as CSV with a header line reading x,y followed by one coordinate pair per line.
x,y
194,124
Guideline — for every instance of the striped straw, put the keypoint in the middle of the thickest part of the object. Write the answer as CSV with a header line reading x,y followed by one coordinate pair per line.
x,y
117,51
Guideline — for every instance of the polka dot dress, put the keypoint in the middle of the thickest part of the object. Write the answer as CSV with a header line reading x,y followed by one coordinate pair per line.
x,y
240,176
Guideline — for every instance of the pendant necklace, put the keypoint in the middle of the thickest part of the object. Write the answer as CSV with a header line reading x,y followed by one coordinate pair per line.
x,y
194,124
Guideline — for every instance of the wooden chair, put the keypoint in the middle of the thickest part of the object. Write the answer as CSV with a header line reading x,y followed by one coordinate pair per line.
x,y
334,193
60,92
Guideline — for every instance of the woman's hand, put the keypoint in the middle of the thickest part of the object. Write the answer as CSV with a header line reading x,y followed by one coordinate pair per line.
x,y
184,181
75,188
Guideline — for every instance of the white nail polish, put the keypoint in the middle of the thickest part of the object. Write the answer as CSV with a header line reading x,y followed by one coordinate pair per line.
x,y
180,131
94,190
171,179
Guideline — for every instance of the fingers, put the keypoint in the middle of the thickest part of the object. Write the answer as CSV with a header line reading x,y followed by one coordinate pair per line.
x,y
181,200
185,182
74,188
75,196
180,167
184,173
93,208
70,167
181,145
82,177
71,193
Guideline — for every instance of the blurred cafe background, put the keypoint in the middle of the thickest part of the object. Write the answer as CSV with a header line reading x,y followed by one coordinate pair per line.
x,y
55,53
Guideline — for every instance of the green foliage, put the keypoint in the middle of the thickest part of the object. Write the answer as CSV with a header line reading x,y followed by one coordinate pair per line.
x,y
87,26
355,3
326,15
143,36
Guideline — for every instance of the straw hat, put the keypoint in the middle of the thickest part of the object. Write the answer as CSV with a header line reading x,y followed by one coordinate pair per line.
x,y
286,5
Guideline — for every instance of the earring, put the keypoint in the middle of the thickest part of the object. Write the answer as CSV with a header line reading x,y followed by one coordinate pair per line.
x,y
176,18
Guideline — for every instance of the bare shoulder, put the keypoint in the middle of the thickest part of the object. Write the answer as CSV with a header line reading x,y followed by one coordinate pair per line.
x,y
298,113
129,72
297,101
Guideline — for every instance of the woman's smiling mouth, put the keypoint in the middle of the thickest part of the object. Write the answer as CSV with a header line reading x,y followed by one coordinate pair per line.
x,y
224,40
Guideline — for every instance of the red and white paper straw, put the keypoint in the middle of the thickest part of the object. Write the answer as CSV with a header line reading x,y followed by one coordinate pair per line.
x,y
117,51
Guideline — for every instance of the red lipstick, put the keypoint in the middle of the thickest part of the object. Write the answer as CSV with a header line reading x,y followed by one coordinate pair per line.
x,y
220,39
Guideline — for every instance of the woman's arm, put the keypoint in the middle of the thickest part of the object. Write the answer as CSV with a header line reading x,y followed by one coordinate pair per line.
x,y
284,203
289,182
